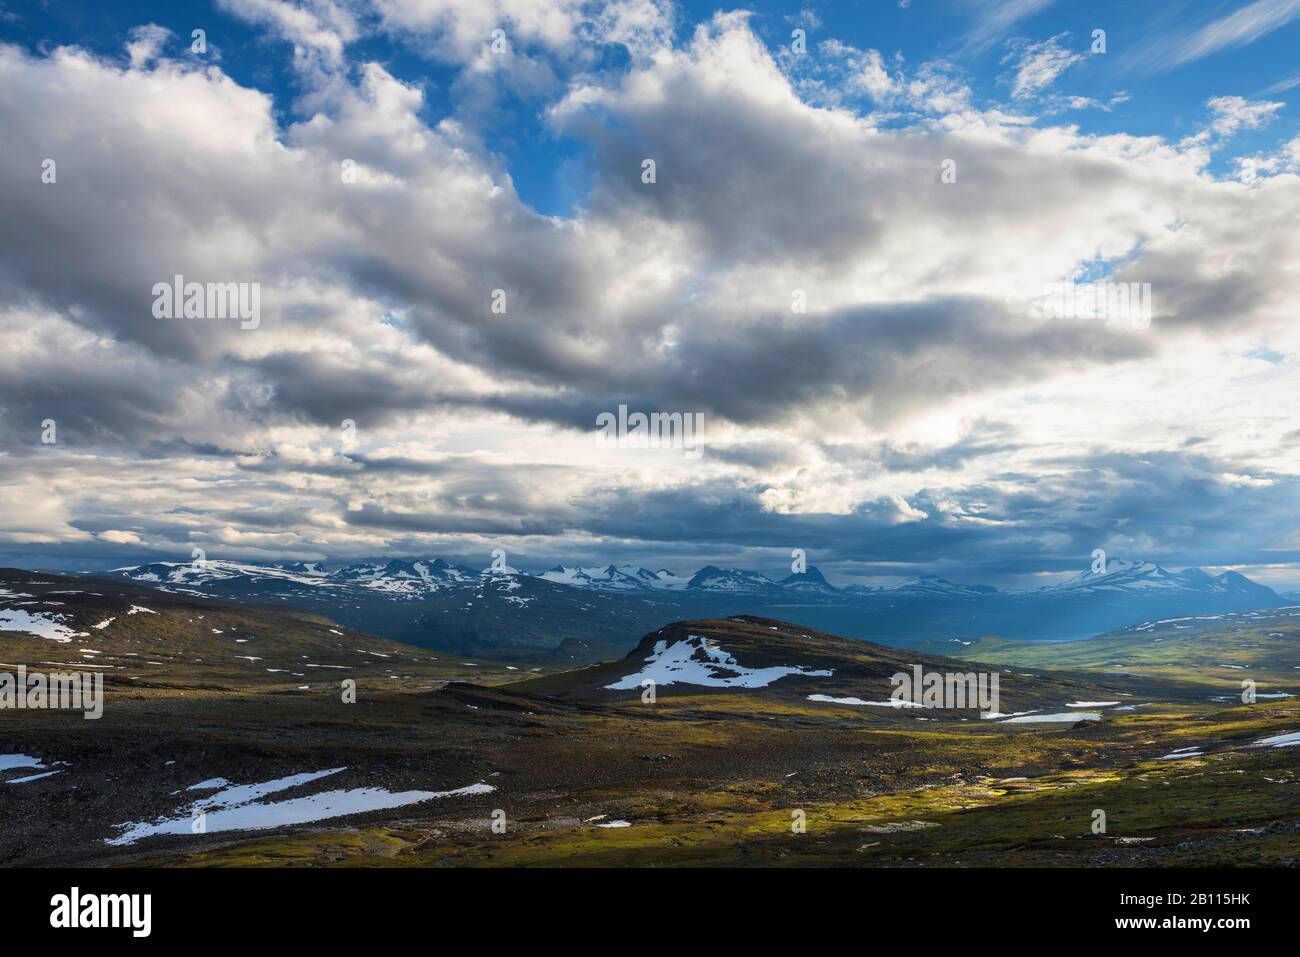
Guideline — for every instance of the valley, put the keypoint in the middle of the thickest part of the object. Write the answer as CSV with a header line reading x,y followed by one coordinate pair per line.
x,y
766,743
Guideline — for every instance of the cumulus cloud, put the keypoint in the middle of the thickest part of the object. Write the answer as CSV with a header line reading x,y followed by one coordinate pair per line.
x,y
858,332
1233,113
463,30
319,30
1251,169
146,43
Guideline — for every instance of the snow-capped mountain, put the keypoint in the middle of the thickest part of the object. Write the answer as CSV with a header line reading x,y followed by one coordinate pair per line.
x,y
715,579
197,575
431,601
615,578
406,578
394,579
402,578
809,581
930,586
413,578
1138,577
710,578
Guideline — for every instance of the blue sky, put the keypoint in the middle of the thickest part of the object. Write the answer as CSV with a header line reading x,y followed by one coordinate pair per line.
x,y
864,336
1152,57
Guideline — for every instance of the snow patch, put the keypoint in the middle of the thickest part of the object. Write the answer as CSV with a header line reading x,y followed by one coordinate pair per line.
x,y
858,702
699,661
1290,739
40,625
8,761
35,777
1070,716
1192,752
238,808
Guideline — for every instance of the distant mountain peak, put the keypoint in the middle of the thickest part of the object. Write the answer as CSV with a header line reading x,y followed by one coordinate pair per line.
x,y
933,585
409,577
713,578
810,579
1135,577
589,609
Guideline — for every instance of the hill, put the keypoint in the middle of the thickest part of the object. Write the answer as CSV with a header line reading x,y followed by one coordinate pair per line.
x,y
1212,651
747,661
143,637
755,721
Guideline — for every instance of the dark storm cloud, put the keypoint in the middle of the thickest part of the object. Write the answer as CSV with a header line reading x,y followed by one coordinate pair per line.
x,y
97,397
872,362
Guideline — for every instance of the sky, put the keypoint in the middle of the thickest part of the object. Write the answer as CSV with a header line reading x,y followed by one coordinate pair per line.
x,y
832,233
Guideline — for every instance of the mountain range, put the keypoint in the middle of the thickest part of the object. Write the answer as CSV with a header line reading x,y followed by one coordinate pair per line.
x,y
411,578
577,613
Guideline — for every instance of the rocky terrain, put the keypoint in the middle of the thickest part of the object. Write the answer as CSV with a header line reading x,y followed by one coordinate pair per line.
x,y
764,743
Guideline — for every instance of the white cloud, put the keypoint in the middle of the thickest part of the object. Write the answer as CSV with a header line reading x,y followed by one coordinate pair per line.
x,y
1239,28
677,294
318,29
873,77
1037,65
995,18
1285,160
1284,84
146,43
1229,115
120,538
463,29
1233,113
